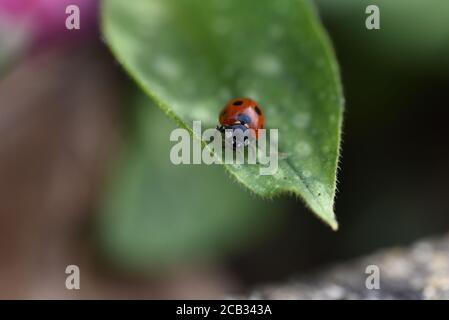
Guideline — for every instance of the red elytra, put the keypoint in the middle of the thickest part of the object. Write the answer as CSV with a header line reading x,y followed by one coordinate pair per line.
x,y
242,111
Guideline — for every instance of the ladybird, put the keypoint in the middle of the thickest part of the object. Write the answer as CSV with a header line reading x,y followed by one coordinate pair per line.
x,y
243,114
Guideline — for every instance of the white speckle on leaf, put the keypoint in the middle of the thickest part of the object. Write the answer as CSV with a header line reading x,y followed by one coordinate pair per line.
x,y
222,25
306,174
303,149
236,166
221,5
154,8
253,95
301,120
167,67
275,31
281,7
268,65
162,91
279,174
318,188
320,191
201,114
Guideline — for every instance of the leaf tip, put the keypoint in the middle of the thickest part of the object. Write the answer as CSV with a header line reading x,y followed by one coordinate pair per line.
x,y
334,225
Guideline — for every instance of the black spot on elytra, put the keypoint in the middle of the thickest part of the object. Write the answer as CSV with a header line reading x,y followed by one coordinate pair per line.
x,y
238,103
258,110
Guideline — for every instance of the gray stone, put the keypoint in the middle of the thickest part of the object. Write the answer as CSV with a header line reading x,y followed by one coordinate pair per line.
x,y
420,271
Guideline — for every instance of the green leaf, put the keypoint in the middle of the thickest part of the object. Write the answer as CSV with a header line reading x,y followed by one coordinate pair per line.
x,y
157,214
191,56
413,33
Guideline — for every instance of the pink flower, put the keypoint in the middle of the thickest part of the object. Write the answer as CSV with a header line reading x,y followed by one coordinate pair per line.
x,y
45,19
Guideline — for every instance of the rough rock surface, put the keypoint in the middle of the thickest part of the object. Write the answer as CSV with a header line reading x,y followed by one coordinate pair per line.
x,y
420,271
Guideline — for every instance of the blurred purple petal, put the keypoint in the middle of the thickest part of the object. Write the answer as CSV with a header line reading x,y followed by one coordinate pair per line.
x,y
46,18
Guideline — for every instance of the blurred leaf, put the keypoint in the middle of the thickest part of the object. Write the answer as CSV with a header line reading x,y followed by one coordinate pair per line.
x,y
14,40
412,32
191,56
157,213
